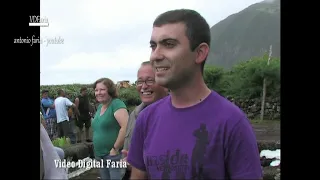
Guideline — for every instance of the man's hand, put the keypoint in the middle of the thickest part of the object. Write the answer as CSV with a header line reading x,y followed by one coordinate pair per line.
x,y
125,154
77,112
113,152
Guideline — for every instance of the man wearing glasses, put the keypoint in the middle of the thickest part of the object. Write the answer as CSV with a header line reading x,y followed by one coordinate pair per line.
x,y
149,92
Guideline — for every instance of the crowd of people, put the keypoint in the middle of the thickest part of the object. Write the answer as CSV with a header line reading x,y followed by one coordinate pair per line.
x,y
65,118
59,117
190,133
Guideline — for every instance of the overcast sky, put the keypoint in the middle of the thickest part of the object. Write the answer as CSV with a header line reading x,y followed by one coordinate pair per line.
x,y
103,38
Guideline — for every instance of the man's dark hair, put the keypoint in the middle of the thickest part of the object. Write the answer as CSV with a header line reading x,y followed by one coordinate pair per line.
x,y
60,91
83,89
197,28
44,91
145,63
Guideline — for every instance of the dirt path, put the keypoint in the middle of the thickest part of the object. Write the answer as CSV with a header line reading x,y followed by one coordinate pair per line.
x,y
267,131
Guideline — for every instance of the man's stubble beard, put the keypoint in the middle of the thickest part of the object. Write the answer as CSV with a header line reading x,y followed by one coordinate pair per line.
x,y
176,81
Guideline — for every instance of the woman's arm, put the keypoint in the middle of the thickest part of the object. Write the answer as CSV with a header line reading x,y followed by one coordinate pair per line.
x,y
121,116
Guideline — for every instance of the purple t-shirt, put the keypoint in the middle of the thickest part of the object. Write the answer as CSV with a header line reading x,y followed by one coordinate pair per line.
x,y
210,140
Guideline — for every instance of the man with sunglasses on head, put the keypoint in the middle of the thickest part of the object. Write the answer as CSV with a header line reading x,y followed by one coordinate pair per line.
x,y
149,92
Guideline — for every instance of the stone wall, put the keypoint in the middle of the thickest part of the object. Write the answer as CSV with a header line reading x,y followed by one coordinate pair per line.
x,y
252,107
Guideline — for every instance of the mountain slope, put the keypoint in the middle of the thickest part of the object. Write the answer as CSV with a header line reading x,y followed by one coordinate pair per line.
x,y
245,34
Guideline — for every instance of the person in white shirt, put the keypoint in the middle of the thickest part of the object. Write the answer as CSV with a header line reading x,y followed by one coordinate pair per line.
x,y
61,105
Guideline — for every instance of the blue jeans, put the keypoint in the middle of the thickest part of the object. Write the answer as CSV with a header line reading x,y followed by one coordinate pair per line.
x,y
106,172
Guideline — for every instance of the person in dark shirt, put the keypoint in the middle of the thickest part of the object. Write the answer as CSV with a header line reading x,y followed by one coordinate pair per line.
x,y
82,103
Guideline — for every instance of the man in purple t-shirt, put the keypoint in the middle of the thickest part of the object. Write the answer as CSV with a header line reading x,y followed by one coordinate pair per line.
x,y
194,133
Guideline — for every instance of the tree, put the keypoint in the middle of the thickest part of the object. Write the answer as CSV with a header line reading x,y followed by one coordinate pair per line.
x,y
246,78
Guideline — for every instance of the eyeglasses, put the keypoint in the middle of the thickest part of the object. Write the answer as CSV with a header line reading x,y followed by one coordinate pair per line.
x,y
148,82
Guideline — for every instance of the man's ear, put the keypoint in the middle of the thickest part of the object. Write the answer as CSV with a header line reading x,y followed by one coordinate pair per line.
x,y
202,53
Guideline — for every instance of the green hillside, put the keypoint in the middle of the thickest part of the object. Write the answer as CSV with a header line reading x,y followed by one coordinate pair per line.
x,y
245,34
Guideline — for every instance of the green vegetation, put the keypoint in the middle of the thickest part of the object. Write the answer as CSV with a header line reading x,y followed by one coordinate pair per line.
x,y
245,34
244,80
61,142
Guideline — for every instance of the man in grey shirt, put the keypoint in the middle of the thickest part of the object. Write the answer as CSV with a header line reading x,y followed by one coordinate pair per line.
x,y
149,92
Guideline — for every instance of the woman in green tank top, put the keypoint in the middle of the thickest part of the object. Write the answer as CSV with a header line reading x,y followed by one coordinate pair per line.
x,y
109,126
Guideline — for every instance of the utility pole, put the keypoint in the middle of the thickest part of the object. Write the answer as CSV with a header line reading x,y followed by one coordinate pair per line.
x,y
264,90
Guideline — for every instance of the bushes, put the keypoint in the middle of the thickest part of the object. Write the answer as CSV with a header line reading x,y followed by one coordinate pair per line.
x,y
130,96
73,90
245,80
61,142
